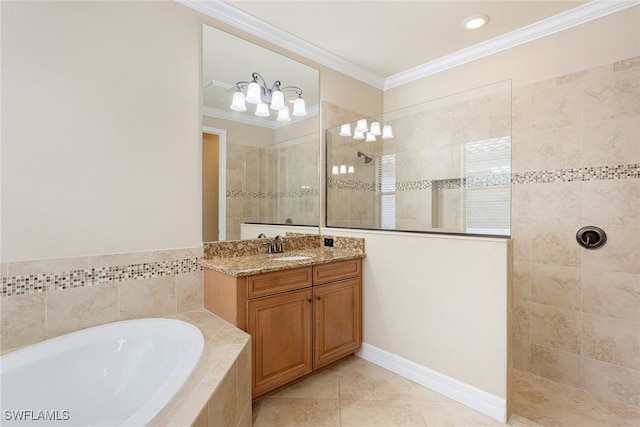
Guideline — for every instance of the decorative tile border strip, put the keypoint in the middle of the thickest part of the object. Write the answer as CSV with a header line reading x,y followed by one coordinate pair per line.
x,y
308,192
45,282
595,173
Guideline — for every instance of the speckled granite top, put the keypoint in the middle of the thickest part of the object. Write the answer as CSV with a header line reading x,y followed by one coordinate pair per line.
x,y
263,263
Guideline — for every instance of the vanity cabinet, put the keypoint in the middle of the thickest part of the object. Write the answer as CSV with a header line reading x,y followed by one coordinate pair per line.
x,y
299,319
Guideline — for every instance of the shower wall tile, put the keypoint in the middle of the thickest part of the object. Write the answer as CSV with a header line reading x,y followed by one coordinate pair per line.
x,y
556,148
557,203
612,382
154,297
612,142
81,308
521,281
556,286
555,245
520,354
558,107
521,202
521,99
619,254
23,320
521,235
612,97
556,328
611,203
521,321
556,365
611,340
521,153
610,293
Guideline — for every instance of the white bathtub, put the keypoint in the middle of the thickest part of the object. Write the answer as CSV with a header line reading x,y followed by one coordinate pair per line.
x,y
127,373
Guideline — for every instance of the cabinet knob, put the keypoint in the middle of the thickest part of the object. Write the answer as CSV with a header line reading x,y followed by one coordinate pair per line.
x,y
309,299
318,297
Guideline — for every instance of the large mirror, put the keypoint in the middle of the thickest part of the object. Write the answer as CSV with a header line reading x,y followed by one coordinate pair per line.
x,y
261,165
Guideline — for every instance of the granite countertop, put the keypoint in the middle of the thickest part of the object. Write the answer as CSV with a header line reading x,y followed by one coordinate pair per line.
x,y
263,263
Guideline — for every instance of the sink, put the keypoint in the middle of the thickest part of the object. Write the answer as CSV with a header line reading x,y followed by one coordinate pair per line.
x,y
291,258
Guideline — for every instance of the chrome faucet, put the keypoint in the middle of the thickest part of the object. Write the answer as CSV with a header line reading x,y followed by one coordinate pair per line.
x,y
276,246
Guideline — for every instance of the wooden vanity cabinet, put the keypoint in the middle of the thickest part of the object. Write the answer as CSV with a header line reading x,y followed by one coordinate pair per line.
x,y
299,319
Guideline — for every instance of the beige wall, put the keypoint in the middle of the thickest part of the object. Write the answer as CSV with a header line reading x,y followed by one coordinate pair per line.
x,y
100,128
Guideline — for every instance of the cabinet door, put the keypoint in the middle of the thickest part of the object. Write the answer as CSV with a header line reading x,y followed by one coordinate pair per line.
x,y
338,320
280,328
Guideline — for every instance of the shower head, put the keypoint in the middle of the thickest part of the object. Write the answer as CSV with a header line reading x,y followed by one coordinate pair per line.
x,y
367,159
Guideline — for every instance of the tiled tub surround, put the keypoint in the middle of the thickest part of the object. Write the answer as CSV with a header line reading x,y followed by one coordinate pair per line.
x,y
220,392
45,298
576,162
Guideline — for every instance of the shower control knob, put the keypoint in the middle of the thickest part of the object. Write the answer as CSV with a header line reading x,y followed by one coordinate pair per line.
x,y
591,237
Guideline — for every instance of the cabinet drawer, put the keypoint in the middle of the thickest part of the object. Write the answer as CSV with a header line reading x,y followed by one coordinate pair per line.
x,y
326,273
278,281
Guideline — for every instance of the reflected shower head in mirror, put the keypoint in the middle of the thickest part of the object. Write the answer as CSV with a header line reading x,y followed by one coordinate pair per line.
x,y
367,159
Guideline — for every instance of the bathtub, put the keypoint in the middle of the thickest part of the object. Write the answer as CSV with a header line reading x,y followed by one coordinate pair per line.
x,y
127,373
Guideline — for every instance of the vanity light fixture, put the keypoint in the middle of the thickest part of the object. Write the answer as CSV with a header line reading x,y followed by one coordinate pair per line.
x,y
362,130
476,21
258,93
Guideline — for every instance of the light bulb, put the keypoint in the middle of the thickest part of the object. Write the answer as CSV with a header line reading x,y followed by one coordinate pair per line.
x,y
238,103
262,110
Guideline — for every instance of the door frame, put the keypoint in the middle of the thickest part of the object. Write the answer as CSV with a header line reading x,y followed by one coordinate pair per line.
x,y
222,179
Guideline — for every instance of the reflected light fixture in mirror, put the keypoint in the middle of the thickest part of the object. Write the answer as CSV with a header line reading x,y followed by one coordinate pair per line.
x,y
362,130
265,98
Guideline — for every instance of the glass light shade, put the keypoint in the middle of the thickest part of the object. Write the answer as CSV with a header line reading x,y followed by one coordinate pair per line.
x,y
345,130
350,169
299,108
343,169
262,110
334,170
238,103
253,93
375,128
357,134
361,125
387,132
277,100
283,115
370,137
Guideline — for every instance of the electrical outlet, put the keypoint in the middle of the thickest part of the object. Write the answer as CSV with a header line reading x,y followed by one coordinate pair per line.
x,y
328,241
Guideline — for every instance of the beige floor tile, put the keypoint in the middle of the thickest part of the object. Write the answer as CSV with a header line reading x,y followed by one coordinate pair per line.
x,y
454,414
372,396
369,413
321,385
285,412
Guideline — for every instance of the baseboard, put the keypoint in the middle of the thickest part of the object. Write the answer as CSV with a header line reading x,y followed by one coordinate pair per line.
x,y
480,400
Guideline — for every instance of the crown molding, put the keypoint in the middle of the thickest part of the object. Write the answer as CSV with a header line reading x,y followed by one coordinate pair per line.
x,y
582,14
243,21
254,120
571,18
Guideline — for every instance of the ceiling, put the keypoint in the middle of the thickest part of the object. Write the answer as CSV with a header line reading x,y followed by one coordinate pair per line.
x,y
387,43
389,37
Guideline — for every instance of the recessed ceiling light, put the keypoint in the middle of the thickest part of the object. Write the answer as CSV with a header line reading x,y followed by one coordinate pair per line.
x,y
476,21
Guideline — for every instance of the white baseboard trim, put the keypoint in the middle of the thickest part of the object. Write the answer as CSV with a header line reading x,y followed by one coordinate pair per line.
x,y
480,400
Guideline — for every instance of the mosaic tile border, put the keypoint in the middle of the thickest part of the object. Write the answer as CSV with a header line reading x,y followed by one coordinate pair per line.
x,y
46,282
595,173
311,192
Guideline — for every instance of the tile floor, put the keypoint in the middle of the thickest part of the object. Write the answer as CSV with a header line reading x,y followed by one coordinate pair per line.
x,y
355,392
